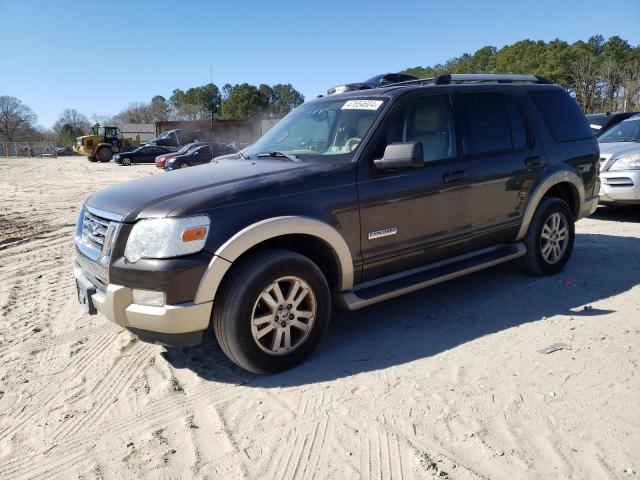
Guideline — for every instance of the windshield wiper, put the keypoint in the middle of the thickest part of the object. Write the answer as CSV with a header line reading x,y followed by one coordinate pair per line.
x,y
243,156
293,158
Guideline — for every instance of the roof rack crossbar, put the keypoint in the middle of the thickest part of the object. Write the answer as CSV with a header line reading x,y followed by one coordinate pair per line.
x,y
448,78
487,77
409,82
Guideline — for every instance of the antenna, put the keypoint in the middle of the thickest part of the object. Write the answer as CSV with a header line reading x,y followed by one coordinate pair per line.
x,y
212,103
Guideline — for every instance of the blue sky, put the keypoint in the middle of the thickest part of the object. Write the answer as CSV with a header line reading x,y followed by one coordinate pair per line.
x,y
98,57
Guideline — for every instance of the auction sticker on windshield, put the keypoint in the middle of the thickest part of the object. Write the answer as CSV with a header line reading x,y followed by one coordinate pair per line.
x,y
362,105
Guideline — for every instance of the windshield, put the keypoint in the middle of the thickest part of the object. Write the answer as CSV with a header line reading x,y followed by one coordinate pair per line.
x,y
326,130
597,120
625,131
375,79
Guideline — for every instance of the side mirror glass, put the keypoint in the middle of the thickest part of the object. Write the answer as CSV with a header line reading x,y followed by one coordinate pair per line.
x,y
399,156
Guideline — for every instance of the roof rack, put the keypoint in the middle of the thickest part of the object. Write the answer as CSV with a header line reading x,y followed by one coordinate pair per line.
x,y
449,78
487,77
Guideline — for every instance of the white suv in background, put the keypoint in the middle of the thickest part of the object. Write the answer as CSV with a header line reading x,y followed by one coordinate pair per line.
x,y
620,163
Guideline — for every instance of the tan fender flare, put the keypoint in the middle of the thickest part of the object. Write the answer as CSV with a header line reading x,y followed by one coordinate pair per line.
x,y
257,233
563,176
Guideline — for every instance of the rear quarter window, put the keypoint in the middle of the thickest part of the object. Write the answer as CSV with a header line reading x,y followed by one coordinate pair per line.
x,y
562,115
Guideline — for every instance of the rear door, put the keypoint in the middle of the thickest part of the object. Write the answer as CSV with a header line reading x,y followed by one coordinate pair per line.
x,y
504,161
151,153
202,155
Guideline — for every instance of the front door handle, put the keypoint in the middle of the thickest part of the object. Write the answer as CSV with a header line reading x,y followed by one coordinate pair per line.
x,y
455,176
535,161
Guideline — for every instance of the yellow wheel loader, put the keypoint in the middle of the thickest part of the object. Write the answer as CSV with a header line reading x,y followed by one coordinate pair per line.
x,y
103,143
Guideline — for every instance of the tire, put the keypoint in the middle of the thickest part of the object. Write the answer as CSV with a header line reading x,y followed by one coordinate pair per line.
x,y
240,301
126,161
185,165
542,257
104,155
92,159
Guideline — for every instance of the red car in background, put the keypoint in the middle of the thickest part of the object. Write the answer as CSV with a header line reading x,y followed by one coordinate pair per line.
x,y
162,159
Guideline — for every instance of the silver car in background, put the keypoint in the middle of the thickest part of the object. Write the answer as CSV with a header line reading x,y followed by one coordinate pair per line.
x,y
620,163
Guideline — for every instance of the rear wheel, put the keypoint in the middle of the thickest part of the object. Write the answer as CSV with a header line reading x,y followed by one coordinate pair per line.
x,y
104,154
550,238
272,311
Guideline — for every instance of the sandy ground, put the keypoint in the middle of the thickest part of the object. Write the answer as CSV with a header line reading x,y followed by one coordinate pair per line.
x,y
447,382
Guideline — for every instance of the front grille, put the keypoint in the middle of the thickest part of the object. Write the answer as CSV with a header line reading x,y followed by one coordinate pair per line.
x,y
94,230
93,270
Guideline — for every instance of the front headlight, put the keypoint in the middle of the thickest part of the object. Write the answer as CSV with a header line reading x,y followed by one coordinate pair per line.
x,y
167,237
628,162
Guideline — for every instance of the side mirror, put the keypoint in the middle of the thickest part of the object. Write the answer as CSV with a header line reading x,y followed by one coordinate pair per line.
x,y
399,156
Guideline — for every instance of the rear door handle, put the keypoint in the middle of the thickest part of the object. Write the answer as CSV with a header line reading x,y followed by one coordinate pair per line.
x,y
455,176
535,161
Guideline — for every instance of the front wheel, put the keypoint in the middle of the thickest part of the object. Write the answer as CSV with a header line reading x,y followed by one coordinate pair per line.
x,y
126,161
185,165
550,238
104,154
92,159
272,311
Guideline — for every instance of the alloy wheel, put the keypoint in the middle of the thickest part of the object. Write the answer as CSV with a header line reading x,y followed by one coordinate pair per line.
x,y
554,237
283,315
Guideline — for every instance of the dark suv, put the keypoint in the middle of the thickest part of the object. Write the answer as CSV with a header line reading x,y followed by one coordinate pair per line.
x,y
356,198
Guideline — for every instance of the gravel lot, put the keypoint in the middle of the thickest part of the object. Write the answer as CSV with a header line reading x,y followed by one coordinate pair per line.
x,y
446,382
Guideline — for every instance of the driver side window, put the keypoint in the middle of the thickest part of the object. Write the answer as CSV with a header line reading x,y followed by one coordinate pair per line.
x,y
428,120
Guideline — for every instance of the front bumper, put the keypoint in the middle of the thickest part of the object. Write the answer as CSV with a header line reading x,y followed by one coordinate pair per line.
x,y
181,324
620,187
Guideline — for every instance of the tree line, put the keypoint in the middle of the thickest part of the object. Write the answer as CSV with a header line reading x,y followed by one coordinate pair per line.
x,y
602,75
205,102
18,121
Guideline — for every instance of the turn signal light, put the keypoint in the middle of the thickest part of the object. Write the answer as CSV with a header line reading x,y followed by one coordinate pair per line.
x,y
193,234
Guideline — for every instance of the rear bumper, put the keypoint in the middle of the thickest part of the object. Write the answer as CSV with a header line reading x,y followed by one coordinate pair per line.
x,y
179,325
621,187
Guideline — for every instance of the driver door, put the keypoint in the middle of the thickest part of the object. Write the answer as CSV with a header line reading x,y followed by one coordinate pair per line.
x,y
415,216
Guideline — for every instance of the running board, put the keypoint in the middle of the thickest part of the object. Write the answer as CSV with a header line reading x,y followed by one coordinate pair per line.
x,y
391,286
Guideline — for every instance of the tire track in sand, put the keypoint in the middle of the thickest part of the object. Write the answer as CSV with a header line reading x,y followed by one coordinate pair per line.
x,y
155,415
42,397
119,377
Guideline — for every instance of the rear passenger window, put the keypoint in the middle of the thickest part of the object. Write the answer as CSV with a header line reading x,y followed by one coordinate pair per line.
x,y
518,132
487,124
562,115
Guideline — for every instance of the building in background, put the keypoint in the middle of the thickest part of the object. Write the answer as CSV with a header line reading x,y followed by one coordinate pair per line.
x,y
238,132
147,131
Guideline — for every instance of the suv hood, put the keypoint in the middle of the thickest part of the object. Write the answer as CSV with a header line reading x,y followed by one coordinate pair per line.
x,y
213,184
618,148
